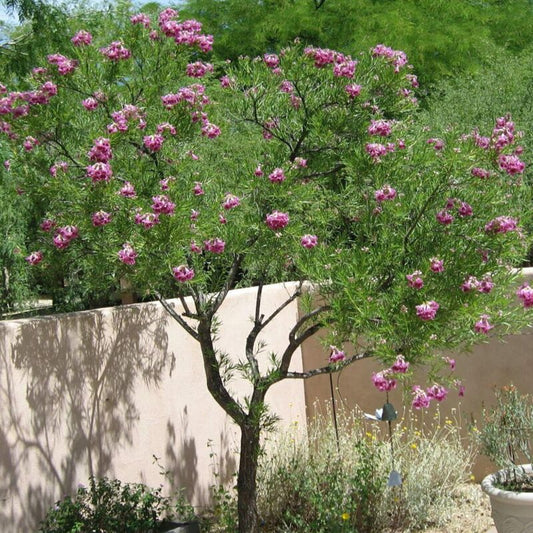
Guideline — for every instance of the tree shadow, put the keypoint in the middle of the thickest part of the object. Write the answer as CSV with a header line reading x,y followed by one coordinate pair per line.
x,y
79,406
181,461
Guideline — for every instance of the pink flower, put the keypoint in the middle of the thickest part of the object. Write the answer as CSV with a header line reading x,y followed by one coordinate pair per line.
x,y
215,246
525,293
147,220
450,362
198,69
470,284
375,150
502,224
197,189
344,69
420,399
309,241
116,51
400,366
336,355
183,273
101,218
225,82
485,285
258,171
166,126
195,249
271,60
382,380
511,164
438,144
353,90
277,220
34,258
99,172
437,392
140,18
415,280
64,235
385,193
128,190
64,65
90,103
153,142
480,173
30,143
436,265
286,87
47,224
127,255
277,176
163,205
211,131
56,167
194,215
230,201
380,127
483,325
299,162
427,310
444,217
465,210
101,150
82,38
396,57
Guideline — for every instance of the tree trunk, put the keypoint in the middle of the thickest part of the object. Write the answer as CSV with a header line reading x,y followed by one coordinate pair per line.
x,y
246,482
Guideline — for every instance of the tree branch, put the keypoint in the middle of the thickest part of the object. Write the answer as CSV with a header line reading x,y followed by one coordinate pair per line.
x,y
326,369
176,316
212,373
230,280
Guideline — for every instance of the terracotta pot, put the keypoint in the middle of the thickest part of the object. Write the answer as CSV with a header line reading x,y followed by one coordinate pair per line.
x,y
512,512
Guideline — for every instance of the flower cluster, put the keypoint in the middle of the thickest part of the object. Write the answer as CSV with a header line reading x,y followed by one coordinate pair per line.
x,y
64,236
187,32
277,220
116,51
525,293
396,57
427,310
127,255
64,64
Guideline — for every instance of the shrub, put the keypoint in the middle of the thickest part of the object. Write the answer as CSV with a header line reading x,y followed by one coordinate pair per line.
x,y
320,484
111,506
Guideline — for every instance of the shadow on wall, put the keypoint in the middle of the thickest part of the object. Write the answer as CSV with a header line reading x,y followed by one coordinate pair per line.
x,y
80,376
181,462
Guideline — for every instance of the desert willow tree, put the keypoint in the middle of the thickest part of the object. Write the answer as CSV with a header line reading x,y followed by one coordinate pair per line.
x,y
149,164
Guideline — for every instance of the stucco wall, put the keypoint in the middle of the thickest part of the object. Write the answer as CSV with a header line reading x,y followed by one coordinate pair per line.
x,y
104,391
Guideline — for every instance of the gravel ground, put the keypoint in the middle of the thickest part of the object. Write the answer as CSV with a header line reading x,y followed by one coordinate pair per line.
x,y
472,514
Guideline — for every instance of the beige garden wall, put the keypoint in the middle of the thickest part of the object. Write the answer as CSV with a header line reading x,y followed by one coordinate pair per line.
x,y
104,391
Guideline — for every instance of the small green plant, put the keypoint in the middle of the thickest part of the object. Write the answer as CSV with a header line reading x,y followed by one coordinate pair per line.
x,y
505,436
111,506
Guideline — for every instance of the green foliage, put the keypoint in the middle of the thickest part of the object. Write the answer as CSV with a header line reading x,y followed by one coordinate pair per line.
x,y
324,485
108,505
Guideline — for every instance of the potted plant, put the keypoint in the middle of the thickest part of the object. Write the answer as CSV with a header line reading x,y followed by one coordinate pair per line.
x,y
505,438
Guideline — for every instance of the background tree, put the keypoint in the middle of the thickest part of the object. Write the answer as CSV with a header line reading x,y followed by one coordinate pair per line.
x,y
443,39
